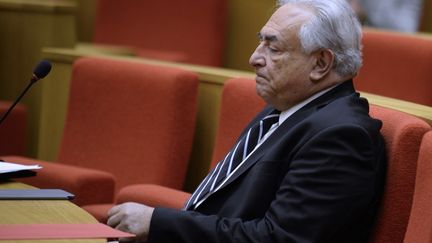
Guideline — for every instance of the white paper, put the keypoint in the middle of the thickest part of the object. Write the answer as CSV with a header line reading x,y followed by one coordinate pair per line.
x,y
6,167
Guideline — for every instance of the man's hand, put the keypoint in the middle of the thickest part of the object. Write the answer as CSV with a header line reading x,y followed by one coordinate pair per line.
x,y
133,218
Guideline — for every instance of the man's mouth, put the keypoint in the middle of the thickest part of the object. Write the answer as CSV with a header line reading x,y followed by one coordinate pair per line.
x,y
259,77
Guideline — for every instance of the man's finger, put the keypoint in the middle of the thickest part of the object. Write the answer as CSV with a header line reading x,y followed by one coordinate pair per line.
x,y
114,220
114,210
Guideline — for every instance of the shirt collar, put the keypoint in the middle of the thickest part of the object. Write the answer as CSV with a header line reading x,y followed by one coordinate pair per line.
x,y
287,113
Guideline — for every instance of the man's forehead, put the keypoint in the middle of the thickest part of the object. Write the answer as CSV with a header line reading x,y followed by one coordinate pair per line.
x,y
287,18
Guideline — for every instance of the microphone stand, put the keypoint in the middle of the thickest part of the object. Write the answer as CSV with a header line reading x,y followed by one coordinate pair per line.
x,y
32,81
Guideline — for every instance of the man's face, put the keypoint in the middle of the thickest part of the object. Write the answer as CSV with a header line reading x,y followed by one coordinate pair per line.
x,y
281,67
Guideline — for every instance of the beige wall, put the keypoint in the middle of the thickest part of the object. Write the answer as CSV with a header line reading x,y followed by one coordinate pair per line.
x,y
246,17
85,19
426,19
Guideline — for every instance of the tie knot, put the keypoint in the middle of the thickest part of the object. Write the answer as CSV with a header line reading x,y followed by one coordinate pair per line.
x,y
269,120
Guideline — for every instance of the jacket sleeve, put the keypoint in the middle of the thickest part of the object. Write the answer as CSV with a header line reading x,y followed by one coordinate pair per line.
x,y
329,188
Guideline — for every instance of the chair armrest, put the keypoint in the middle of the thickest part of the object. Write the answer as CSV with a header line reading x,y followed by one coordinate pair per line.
x,y
89,186
153,195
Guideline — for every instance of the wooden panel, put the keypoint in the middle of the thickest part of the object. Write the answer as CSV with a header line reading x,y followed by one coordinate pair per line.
x,y
55,93
85,19
246,18
426,18
26,27
205,132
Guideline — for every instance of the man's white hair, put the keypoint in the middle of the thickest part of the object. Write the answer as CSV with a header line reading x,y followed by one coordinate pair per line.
x,y
334,26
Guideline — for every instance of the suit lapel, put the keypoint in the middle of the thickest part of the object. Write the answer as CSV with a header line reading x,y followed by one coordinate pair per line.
x,y
344,89
263,148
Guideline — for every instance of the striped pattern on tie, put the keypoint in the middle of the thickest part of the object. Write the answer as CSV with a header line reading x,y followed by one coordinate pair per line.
x,y
239,153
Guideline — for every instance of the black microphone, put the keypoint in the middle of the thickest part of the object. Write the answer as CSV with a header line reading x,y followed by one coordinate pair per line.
x,y
39,72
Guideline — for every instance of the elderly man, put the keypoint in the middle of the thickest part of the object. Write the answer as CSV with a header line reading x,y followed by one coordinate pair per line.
x,y
310,167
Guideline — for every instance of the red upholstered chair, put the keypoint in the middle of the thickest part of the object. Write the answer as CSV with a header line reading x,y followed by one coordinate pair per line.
x,y
420,222
402,134
13,129
396,65
184,30
127,123
236,95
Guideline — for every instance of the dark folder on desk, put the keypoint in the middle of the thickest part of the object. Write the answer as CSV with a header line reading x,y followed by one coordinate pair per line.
x,y
17,174
35,194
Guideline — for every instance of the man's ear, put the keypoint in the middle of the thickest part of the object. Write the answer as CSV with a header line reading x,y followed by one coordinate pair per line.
x,y
324,59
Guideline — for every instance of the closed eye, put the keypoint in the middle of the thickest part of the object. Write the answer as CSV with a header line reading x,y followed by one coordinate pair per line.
x,y
273,50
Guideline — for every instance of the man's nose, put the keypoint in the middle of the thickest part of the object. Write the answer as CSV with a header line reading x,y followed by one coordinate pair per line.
x,y
257,59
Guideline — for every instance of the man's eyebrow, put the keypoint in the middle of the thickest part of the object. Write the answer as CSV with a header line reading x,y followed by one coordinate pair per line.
x,y
262,37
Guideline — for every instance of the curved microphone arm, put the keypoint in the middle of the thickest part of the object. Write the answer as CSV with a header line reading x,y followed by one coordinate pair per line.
x,y
40,72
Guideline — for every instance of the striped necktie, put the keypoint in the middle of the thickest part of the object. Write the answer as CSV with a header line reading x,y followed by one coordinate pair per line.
x,y
237,154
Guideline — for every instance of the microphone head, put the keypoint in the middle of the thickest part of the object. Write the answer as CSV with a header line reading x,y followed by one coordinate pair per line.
x,y
41,70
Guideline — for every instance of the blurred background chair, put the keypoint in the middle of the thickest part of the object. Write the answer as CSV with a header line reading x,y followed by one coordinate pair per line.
x,y
13,130
127,123
396,65
183,30
420,221
402,134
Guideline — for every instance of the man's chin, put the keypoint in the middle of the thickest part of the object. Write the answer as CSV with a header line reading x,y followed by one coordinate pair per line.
x,y
261,91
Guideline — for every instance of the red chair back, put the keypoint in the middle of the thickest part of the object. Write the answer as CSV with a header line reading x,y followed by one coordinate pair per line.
x,y
420,222
13,130
397,65
192,30
133,120
239,104
402,134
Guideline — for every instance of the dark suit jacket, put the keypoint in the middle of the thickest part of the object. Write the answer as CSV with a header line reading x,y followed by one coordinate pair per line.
x,y
317,178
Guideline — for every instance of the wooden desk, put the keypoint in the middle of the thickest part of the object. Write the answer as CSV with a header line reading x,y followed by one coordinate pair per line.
x,y
42,212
